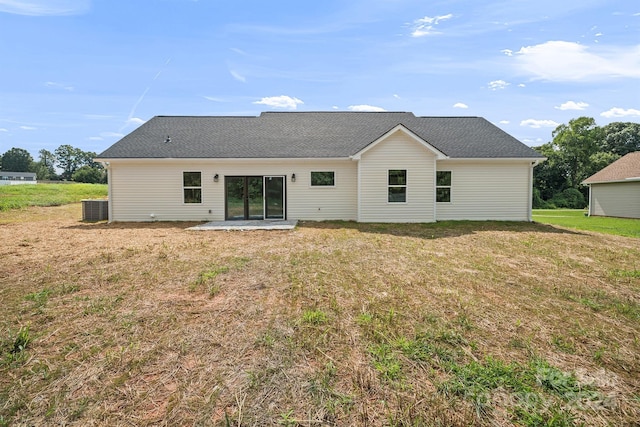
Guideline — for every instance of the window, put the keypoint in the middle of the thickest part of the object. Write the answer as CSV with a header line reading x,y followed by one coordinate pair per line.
x,y
323,179
443,186
397,186
192,183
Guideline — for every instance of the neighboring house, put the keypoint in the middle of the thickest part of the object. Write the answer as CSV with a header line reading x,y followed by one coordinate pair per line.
x,y
17,178
367,167
615,190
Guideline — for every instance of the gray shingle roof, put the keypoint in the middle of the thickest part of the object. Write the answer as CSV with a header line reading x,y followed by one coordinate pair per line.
x,y
309,135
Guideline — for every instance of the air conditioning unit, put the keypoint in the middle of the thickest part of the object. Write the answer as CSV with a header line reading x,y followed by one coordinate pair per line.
x,y
95,210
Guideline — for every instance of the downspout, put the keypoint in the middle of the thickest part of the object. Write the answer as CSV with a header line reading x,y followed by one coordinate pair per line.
x,y
107,166
530,199
590,206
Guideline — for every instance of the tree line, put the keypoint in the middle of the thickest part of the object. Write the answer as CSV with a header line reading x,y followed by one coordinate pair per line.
x,y
74,164
578,150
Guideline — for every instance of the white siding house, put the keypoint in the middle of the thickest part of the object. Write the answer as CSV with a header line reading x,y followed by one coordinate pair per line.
x,y
367,167
615,190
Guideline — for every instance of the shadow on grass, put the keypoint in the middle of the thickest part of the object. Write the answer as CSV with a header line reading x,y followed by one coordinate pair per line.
x,y
436,230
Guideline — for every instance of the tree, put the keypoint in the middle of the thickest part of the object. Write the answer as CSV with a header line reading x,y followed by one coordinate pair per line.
x,y
17,160
68,159
621,138
44,168
576,143
88,174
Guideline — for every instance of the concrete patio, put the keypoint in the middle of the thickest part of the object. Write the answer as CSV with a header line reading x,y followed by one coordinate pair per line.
x,y
247,225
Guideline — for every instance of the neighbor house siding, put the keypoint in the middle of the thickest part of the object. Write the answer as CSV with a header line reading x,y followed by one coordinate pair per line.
x,y
621,199
398,151
140,189
487,190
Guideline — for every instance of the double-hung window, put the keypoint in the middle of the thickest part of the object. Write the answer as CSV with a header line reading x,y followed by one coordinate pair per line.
x,y
192,187
443,186
397,186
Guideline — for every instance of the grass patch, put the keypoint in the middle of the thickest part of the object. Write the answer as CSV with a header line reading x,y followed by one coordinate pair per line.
x,y
576,219
22,196
456,324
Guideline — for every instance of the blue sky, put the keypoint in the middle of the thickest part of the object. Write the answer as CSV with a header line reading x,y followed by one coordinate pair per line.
x,y
86,72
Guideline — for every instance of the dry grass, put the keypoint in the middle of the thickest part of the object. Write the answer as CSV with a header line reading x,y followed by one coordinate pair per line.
x,y
329,324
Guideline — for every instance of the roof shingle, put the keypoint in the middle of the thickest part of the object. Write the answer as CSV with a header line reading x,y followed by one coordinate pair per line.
x,y
626,167
309,135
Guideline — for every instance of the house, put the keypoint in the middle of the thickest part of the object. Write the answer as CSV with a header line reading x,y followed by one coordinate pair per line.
x,y
17,178
360,166
615,190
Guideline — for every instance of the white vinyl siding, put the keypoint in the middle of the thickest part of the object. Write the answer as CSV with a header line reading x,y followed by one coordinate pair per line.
x,y
487,190
619,199
398,152
141,188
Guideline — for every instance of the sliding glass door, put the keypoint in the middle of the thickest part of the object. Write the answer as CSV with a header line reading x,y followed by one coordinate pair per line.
x,y
254,197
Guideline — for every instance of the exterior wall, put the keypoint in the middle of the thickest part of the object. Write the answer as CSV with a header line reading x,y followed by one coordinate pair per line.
x,y
398,151
487,190
621,199
138,189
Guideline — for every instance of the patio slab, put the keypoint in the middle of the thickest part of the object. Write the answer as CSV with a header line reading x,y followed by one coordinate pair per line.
x,y
247,225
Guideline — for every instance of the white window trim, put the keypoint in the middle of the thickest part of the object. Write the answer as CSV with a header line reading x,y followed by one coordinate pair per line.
x,y
444,186
406,186
191,188
335,179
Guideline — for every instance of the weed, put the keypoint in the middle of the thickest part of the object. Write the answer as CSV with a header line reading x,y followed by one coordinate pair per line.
x,y
22,340
386,362
39,298
626,273
287,419
314,317
563,344
207,278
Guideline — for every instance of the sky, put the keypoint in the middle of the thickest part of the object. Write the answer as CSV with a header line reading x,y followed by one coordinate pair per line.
x,y
87,72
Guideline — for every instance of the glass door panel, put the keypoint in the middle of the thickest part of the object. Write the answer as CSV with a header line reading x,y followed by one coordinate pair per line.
x,y
274,197
255,198
235,197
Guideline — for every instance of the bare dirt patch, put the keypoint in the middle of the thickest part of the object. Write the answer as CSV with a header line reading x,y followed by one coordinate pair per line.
x,y
328,324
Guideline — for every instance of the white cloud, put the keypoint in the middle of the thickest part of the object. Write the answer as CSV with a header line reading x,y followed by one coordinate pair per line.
x,y
572,105
45,7
621,112
537,124
135,121
425,26
335,107
522,85
498,84
213,98
396,96
568,61
4,130
504,122
111,134
365,108
507,52
59,85
460,105
28,128
237,76
96,138
282,101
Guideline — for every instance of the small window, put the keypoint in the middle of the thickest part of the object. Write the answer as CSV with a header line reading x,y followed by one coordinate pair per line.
x,y
192,183
443,186
397,186
323,179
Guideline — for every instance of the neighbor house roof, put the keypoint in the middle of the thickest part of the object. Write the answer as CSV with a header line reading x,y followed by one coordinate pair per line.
x,y
626,168
309,135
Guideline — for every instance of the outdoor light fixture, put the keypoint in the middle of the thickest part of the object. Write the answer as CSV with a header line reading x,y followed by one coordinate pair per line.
x,y
293,177
215,178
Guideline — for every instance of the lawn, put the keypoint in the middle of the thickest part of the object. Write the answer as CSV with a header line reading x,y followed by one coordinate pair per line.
x,y
21,196
576,219
448,324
